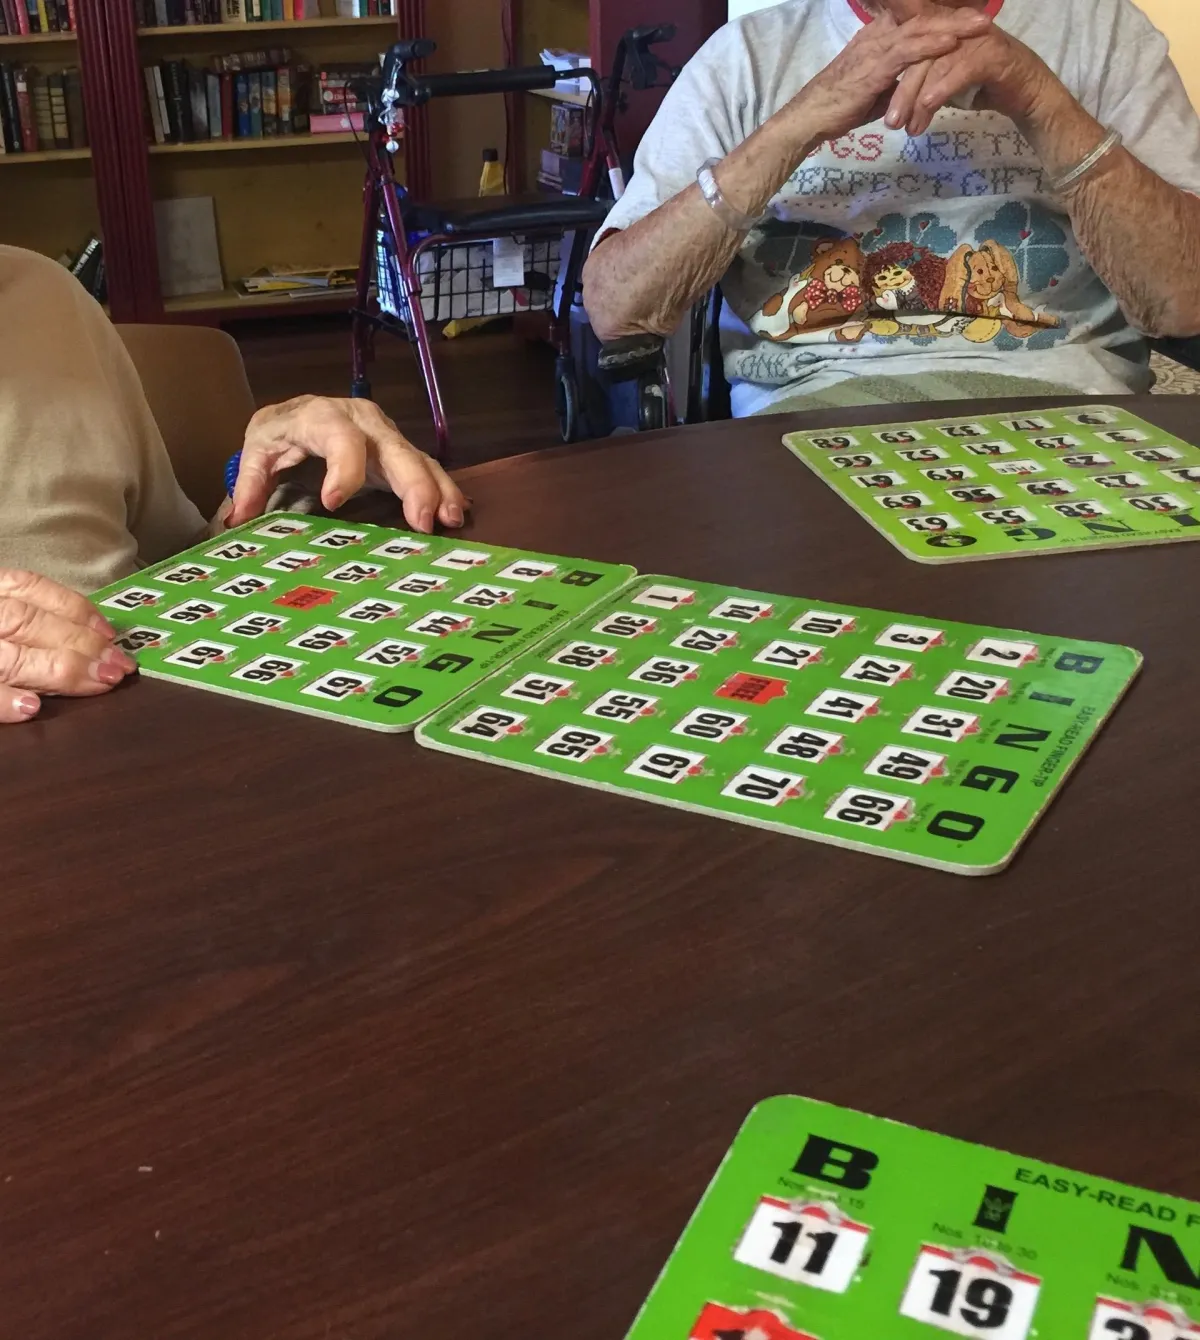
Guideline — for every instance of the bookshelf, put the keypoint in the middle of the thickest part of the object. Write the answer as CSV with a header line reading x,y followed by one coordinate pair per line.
x,y
206,30
50,204
285,200
281,143
36,39
45,156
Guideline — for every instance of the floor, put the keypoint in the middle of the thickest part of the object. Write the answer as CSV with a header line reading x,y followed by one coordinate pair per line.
x,y
498,388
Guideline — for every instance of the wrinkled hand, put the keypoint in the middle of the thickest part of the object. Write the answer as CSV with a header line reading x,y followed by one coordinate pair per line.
x,y
1007,75
856,88
359,445
51,641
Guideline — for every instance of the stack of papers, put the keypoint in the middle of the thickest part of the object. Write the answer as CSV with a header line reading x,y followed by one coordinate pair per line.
x,y
286,279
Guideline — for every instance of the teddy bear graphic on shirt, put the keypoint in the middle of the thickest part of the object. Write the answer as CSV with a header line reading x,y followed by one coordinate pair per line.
x,y
827,293
900,290
982,282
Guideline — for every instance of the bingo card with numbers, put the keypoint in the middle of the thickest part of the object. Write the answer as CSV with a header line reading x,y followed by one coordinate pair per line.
x,y
929,741
372,627
1006,485
827,1224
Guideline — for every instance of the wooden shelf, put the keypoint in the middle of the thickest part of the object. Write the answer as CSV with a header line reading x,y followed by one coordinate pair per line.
x,y
561,95
230,300
268,142
45,156
25,39
288,25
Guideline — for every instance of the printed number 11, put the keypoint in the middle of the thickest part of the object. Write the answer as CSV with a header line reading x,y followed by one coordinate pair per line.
x,y
807,1244
789,1236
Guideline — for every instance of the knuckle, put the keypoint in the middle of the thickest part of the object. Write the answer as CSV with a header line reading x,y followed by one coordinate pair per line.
x,y
10,661
16,618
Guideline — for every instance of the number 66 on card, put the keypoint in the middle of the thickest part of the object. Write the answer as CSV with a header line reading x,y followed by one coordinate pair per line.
x,y
804,1243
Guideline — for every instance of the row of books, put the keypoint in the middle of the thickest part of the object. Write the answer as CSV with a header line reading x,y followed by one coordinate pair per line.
x,y
40,112
180,13
21,17
186,104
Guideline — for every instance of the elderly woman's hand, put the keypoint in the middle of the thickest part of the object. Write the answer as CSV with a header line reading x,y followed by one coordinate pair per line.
x,y
51,641
359,444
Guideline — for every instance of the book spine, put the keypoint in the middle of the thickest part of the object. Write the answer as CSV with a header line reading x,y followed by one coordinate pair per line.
x,y
256,116
73,15
84,259
162,16
12,113
228,107
22,16
76,115
29,139
45,118
43,17
5,31
64,16
301,81
198,102
179,101
58,107
35,20
270,103
9,117
283,80
164,115
235,11
157,129
242,89
214,106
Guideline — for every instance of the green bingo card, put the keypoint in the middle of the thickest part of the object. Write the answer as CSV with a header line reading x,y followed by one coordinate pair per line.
x,y
937,743
1004,485
373,627
826,1224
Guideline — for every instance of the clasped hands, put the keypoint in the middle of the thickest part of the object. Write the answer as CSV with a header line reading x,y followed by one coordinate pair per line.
x,y
917,57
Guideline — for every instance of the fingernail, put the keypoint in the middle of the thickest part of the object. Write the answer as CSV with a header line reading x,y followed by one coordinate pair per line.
x,y
102,626
26,704
425,521
454,514
334,500
104,672
893,119
115,656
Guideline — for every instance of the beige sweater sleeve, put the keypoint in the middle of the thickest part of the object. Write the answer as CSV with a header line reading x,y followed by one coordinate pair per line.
x,y
87,494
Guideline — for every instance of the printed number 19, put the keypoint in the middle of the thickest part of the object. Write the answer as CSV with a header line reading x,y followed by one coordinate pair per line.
x,y
987,1302
789,1236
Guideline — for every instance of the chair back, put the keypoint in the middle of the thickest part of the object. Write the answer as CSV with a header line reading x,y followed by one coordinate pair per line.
x,y
195,381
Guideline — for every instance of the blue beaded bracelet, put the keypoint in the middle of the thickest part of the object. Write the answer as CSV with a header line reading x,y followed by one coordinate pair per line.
x,y
232,470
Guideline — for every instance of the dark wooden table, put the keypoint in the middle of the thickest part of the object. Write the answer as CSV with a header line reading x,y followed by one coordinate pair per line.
x,y
308,1034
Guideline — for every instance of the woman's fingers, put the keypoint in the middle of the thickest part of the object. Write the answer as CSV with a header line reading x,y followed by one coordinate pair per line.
x,y
61,671
17,706
56,599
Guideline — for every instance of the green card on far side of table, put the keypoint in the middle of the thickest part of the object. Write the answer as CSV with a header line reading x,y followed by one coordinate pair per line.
x,y
1007,486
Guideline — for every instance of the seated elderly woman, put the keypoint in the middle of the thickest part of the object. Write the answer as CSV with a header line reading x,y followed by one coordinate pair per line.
x,y
89,495
917,199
